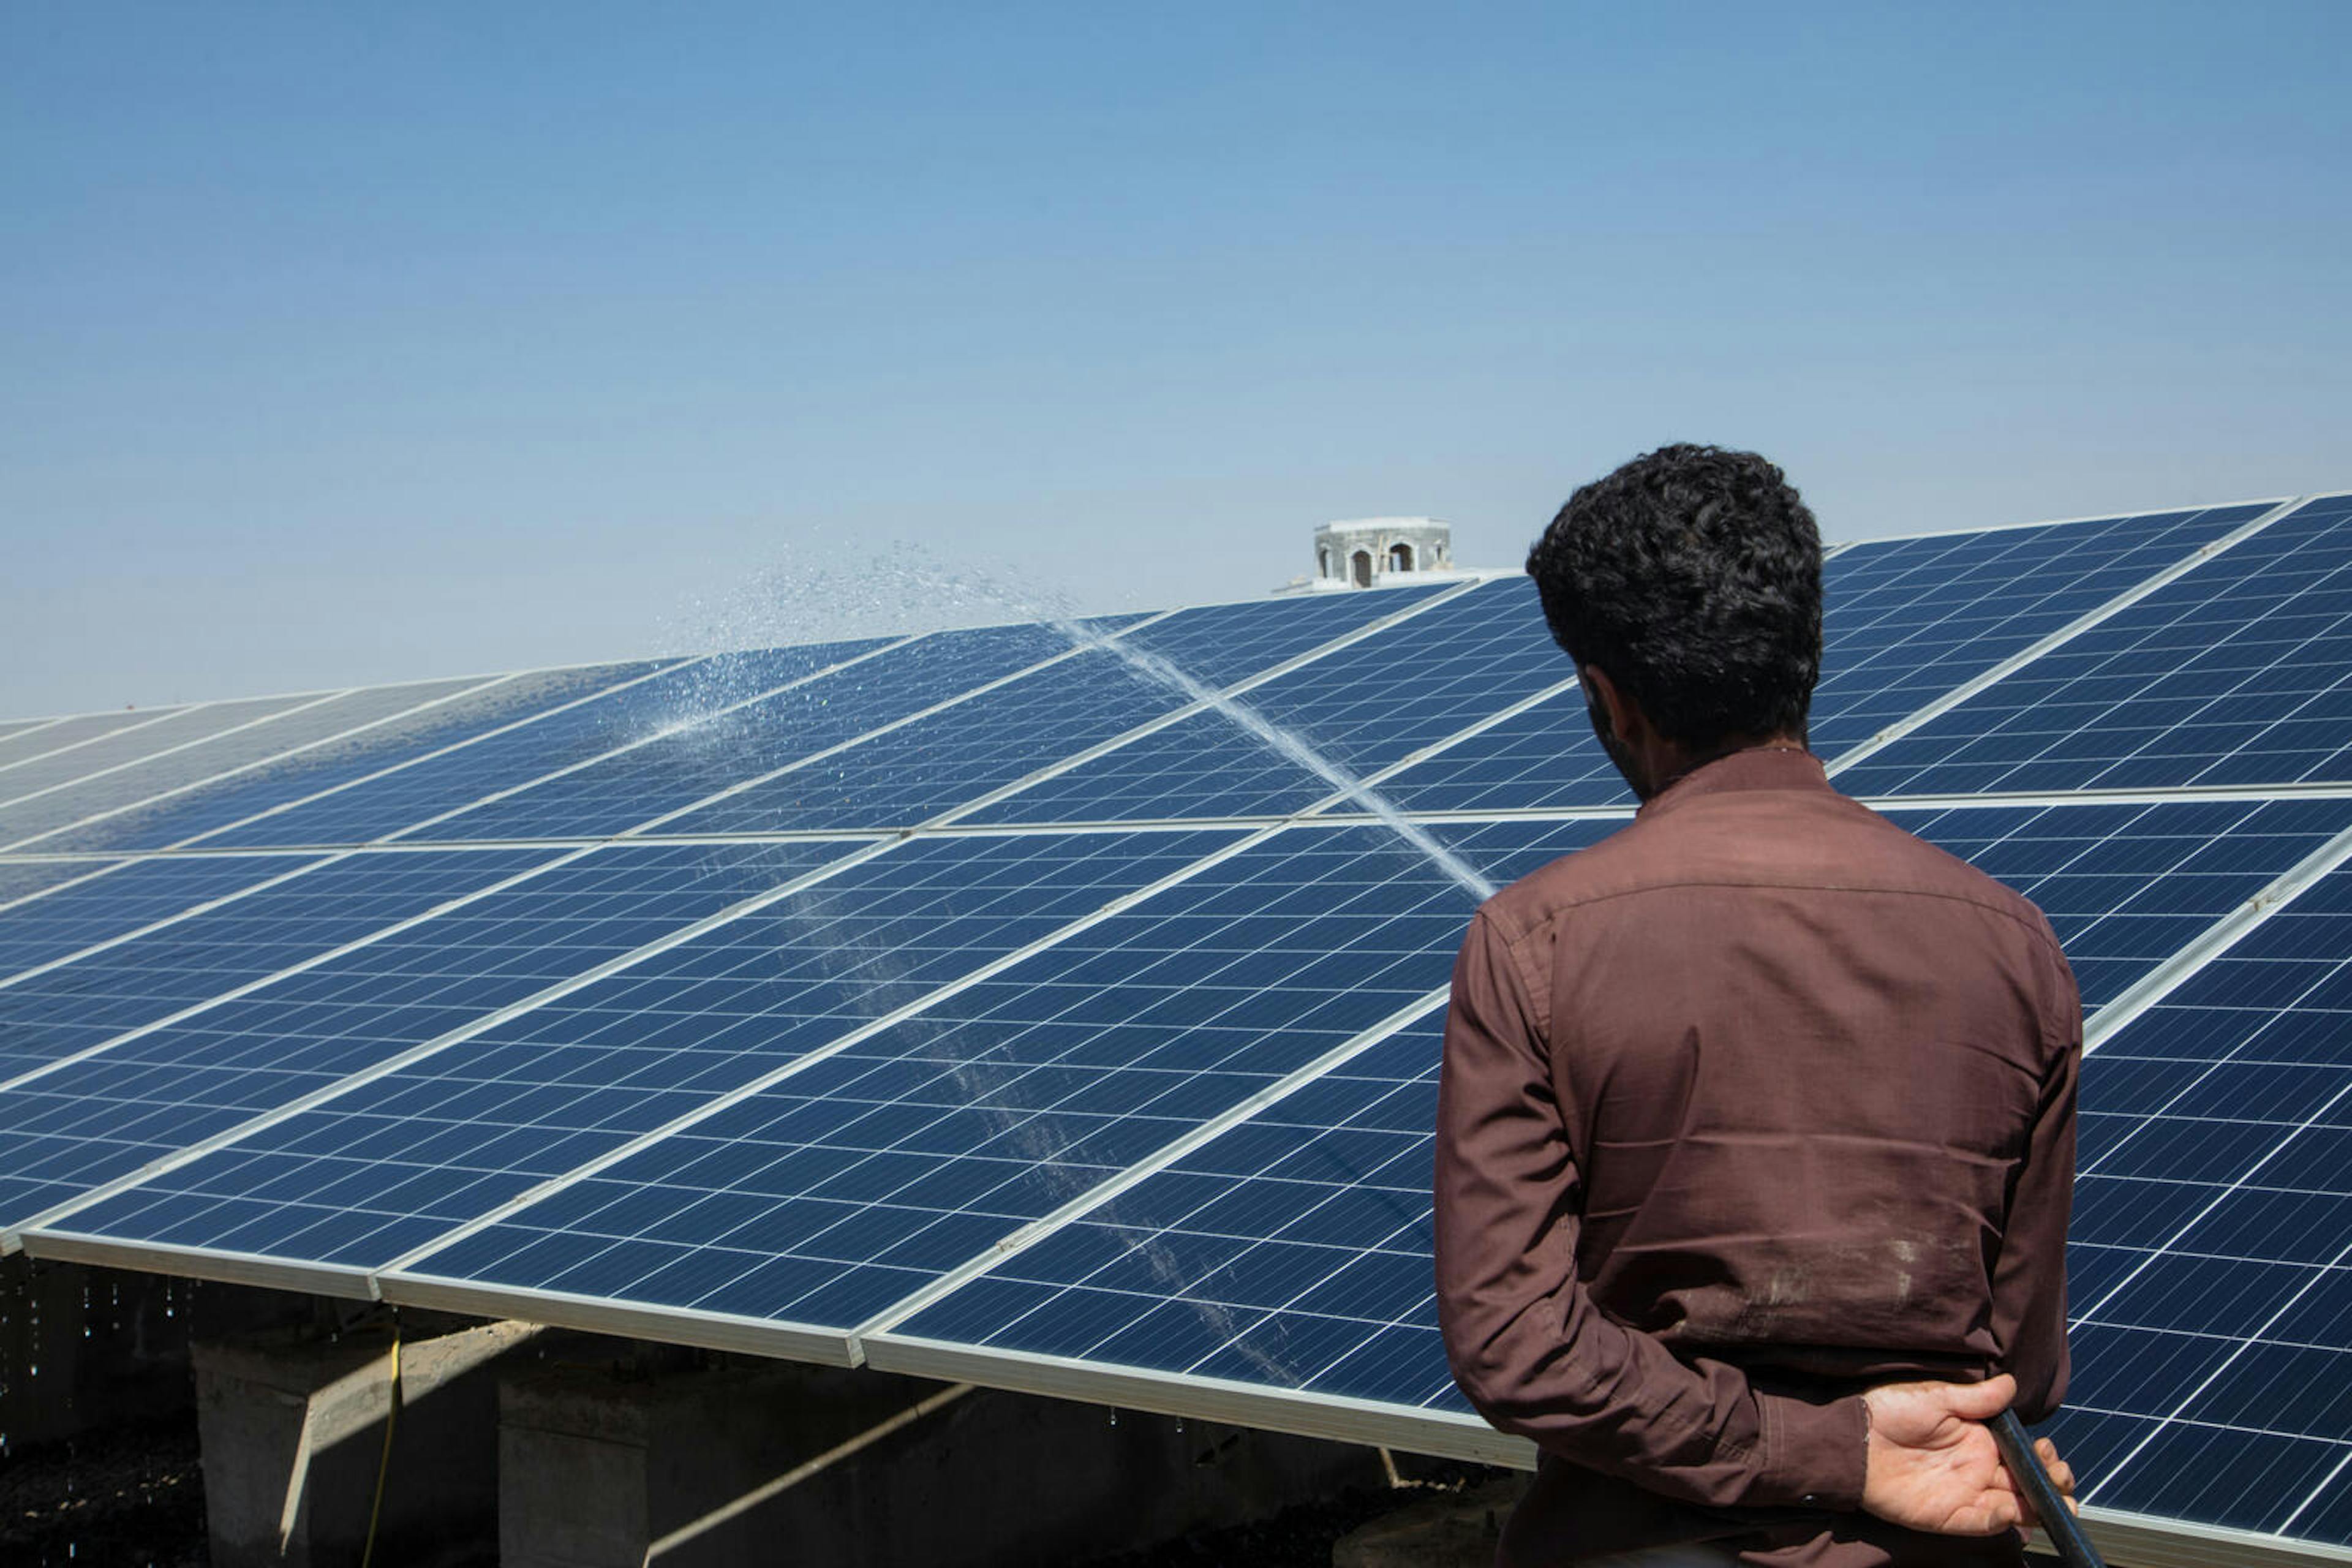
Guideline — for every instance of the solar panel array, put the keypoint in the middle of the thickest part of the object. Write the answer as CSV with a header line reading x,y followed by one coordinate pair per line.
x,y
1017,1005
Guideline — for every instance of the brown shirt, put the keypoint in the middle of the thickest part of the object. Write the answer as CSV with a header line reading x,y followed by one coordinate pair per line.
x,y
1751,1105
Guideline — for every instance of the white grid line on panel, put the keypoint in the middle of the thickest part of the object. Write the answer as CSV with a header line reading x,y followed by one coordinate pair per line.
x,y
2116,1467
2326,1488
662,735
2063,635
303,967
145,757
797,764
584,698
157,716
1037,1230
272,759
434,1047
802,1063
1195,705
309,861
100,865
2217,939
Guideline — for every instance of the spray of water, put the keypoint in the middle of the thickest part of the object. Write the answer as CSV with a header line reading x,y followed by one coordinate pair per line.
x,y
777,608
1154,667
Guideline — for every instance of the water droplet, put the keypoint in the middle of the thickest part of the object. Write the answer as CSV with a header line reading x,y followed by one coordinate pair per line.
x,y
1114,1418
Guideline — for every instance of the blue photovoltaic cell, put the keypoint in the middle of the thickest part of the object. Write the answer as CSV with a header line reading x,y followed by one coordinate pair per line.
x,y
44,740
1903,621
43,930
825,1197
2237,672
82,1004
1293,1250
98,1119
668,775
2211,1271
636,700
2126,886
23,878
402,739
80,814
1364,706
392,1164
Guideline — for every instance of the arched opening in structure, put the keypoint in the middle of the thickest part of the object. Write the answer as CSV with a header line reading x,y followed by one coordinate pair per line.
x,y
1323,563
1400,557
1363,564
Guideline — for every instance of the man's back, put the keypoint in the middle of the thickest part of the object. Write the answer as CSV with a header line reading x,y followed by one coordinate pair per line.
x,y
1810,1083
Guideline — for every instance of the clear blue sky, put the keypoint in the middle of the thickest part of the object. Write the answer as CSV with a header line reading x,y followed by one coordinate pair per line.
x,y
344,344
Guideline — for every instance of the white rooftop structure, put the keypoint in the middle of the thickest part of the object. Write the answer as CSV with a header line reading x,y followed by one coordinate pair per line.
x,y
1378,551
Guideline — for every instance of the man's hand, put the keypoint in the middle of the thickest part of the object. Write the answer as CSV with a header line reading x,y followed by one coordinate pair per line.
x,y
2061,1474
1931,1465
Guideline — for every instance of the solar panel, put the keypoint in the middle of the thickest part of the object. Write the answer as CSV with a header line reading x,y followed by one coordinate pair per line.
x,y
101,908
21,880
1364,706
2239,672
826,1196
353,1183
378,804
128,743
37,820
666,776
113,1109
50,1013
1292,1252
48,737
184,814
1140,1113
1903,622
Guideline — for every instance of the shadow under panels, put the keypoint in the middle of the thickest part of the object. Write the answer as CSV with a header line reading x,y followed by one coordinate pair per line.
x,y
187,814
1903,622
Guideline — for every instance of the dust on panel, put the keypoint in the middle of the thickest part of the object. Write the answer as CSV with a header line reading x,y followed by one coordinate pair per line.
x,y
47,736
179,728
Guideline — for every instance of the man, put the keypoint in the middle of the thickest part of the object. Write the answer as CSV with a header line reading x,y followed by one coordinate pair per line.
x,y
1755,1129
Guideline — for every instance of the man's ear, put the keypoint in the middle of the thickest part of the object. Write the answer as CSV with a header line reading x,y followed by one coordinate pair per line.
x,y
1602,692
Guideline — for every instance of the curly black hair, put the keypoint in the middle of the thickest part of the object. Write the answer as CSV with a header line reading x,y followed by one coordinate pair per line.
x,y
1693,576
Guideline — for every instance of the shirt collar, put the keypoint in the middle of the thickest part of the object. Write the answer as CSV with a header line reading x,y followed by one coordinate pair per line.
x,y
1772,767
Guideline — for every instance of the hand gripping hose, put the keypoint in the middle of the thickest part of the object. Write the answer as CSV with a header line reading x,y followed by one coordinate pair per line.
x,y
2058,1521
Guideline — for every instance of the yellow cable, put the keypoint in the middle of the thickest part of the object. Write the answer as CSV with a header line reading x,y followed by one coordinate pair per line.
x,y
384,1464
